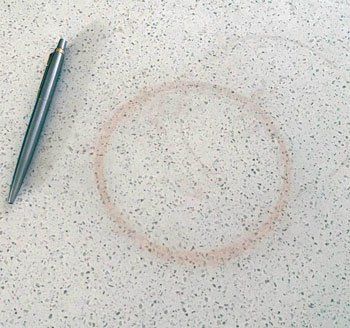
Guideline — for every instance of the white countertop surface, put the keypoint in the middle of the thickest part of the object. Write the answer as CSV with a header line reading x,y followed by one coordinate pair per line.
x,y
194,167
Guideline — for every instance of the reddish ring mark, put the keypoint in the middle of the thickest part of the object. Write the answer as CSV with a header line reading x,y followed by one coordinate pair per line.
x,y
215,256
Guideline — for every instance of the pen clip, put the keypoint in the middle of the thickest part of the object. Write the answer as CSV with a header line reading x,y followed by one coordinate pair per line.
x,y
45,73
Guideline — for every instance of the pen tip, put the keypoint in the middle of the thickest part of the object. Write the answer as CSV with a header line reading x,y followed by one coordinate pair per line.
x,y
12,196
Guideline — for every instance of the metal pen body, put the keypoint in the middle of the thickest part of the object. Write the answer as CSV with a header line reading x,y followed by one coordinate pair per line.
x,y
38,117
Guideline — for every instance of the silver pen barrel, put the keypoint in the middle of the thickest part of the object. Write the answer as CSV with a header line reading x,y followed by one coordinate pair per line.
x,y
38,117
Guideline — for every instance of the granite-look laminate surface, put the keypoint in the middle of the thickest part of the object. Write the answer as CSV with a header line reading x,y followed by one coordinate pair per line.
x,y
193,171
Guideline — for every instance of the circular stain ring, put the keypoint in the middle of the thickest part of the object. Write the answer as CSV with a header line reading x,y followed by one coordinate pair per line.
x,y
215,256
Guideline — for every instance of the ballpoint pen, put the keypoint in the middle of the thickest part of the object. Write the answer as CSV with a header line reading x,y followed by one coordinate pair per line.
x,y
37,120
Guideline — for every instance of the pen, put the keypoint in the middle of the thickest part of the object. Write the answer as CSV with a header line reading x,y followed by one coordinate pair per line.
x,y
37,120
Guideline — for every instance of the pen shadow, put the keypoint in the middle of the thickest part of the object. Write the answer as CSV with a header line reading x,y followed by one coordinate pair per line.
x,y
70,97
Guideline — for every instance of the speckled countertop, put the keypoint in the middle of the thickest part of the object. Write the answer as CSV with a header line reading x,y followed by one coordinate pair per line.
x,y
194,169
